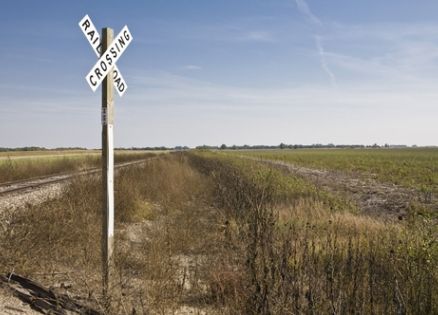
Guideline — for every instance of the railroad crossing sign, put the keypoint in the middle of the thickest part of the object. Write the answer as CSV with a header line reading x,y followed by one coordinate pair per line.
x,y
108,58
105,72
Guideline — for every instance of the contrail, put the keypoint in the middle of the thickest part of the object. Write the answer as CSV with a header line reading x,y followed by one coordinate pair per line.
x,y
304,8
323,61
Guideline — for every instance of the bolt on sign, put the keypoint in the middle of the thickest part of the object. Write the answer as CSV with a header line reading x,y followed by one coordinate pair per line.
x,y
108,50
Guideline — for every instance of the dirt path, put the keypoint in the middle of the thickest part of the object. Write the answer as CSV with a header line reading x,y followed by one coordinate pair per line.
x,y
371,196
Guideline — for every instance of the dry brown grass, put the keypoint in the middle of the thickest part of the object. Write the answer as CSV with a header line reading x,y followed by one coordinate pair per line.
x,y
306,258
162,210
199,233
26,167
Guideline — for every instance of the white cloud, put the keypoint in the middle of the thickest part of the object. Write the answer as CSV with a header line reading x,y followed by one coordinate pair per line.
x,y
165,89
191,67
357,113
258,36
390,53
178,109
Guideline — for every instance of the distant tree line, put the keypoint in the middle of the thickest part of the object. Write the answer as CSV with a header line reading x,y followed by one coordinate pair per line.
x,y
162,148
223,147
295,146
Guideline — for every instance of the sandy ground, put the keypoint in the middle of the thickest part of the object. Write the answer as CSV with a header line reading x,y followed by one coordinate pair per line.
x,y
10,305
30,196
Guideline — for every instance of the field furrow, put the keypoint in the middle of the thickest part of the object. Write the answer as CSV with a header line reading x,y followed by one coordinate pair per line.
x,y
371,196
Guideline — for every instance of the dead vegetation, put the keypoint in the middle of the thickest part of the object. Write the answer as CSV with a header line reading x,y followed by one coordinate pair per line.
x,y
302,257
202,234
164,223
26,167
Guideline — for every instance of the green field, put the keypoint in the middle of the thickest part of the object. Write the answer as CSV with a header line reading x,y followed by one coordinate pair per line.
x,y
412,168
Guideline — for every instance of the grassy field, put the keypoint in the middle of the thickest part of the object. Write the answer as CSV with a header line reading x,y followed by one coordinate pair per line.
x,y
207,232
413,168
25,165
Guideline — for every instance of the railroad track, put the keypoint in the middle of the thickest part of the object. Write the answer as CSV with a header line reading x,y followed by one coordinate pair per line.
x,y
27,184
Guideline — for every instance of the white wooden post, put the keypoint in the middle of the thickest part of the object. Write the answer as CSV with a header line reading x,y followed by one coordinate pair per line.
x,y
107,168
105,72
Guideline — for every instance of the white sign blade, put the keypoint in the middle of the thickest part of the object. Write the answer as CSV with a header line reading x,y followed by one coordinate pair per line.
x,y
108,59
91,34
119,82
93,38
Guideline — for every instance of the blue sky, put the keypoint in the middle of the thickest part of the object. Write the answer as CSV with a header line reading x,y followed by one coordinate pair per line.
x,y
229,71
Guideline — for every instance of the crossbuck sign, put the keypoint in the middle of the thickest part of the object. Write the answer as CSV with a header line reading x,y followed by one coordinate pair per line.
x,y
105,72
107,61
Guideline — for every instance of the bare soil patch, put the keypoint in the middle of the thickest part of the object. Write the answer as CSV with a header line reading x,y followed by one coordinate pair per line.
x,y
372,197
11,305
